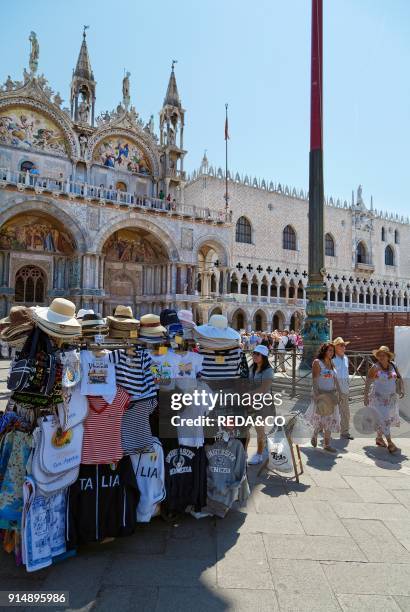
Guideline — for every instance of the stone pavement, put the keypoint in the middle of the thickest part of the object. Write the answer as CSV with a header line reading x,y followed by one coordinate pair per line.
x,y
339,540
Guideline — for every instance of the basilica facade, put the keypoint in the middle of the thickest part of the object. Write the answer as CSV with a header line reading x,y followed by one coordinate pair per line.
x,y
99,208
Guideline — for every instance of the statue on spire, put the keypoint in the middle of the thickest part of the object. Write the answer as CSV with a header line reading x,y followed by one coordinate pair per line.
x,y
34,52
126,90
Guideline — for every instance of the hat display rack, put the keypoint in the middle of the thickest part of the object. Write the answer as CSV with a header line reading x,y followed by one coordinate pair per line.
x,y
48,410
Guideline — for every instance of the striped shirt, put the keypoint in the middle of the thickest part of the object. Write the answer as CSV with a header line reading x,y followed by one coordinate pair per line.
x,y
102,429
135,429
133,373
220,363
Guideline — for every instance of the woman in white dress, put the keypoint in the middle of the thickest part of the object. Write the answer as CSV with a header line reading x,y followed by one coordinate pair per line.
x,y
323,412
384,386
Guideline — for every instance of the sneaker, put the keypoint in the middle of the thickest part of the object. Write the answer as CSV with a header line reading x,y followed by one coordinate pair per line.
x,y
256,459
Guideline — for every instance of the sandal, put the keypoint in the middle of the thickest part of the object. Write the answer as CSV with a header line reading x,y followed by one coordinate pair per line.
x,y
381,442
392,448
313,441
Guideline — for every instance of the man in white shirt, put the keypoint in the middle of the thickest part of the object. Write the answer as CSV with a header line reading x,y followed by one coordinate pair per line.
x,y
341,364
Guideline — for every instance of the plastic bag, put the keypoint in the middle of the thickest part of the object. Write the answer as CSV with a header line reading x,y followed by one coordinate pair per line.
x,y
280,458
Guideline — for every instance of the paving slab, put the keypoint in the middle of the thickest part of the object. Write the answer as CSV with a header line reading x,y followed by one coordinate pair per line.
x,y
371,511
394,484
216,600
143,599
376,541
370,490
368,603
318,518
302,585
244,565
400,530
312,548
403,603
321,493
155,571
368,578
329,479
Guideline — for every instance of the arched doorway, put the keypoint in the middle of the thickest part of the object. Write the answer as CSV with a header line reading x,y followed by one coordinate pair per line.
x,y
30,286
208,265
278,320
215,311
259,321
296,322
135,266
239,320
41,256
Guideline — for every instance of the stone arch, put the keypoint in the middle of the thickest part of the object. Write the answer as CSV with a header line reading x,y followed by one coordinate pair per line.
x,y
140,139
216,243
278,320
215,311
53,114
18,206
259,320
296,321
137,223
239,319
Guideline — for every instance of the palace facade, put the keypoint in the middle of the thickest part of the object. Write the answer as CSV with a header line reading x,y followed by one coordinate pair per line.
x,y
100,209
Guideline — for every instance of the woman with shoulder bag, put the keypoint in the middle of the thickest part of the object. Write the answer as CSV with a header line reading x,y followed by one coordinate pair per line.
x,y
384,386
323,412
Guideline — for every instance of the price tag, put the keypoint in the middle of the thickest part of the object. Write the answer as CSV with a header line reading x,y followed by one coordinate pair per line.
x,y
219,359
179,339
98,338
134,333
163,350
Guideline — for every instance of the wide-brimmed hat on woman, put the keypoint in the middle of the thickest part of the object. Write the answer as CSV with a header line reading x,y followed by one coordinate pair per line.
x,y
383,349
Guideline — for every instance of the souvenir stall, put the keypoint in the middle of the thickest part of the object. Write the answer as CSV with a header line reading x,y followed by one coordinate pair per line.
x,y
87,449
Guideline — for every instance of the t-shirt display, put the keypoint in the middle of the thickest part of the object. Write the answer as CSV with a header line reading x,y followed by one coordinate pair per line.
x,y
81,464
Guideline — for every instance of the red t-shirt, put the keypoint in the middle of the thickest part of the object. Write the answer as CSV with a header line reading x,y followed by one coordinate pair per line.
x,y
102,429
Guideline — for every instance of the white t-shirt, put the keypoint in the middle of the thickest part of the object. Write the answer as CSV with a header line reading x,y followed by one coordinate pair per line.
x,y
98,376
150,473
163,370
341,365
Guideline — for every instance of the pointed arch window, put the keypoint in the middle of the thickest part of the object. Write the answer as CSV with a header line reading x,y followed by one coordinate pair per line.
x,y
389,256
289,238
383,234
329,245
243,231
30,285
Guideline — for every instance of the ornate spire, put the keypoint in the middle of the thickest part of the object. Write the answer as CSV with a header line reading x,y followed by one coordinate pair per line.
x,y
172,95
83,68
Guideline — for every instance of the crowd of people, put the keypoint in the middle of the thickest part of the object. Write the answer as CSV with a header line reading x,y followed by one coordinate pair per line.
x,y
329,410
276,340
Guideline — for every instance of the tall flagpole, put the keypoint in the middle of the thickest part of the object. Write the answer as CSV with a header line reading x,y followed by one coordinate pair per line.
x,y
226,158
316,325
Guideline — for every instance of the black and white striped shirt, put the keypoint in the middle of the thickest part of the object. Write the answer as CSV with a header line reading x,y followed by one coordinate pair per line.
x,y
220,363
133,373
136,432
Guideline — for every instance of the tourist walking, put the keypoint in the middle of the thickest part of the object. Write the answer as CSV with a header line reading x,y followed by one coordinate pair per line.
x,y
323,412
282,345
384,386
260,377
341,363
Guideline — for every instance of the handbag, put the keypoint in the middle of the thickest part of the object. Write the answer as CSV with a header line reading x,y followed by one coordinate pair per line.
x,y
59,450
48,484
280,458
326,403
243,366
23,369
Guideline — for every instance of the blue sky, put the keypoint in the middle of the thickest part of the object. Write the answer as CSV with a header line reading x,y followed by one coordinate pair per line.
x,y
255,56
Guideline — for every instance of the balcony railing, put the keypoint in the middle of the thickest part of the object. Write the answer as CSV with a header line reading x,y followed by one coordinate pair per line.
x,y
61,186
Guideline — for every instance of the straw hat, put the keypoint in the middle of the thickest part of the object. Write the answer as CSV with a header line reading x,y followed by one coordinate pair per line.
x,y
325,404
60,312
123,314
339,340
58,319
383,349
150,326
